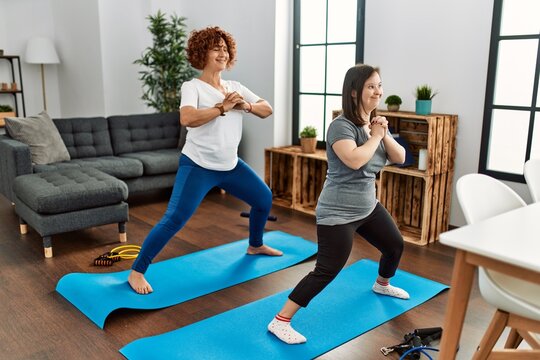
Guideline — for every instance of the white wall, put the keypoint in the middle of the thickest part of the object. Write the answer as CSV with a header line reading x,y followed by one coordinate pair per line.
x,y
77,30
123,25
97,42
19,21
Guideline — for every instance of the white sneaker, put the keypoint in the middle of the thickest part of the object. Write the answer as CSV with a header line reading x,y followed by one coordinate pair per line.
x,y
390,290
284,332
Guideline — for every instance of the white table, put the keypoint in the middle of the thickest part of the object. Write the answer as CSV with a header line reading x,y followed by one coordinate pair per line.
x,y
508,243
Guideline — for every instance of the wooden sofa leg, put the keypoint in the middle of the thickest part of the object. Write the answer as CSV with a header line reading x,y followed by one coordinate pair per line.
x,y
23,227
47,246
122,232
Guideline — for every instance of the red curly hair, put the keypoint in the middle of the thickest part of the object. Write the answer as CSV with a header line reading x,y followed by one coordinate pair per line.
x,y
202,41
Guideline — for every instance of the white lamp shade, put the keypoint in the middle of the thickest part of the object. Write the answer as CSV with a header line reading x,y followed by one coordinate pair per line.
x,y
40,50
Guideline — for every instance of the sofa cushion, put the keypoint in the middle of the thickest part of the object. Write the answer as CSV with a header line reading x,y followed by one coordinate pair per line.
x,y
120,167
69,190
157,162
85,137
40,134
136,133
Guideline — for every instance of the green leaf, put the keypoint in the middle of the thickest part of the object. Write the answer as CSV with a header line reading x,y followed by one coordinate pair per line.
x,y
165,64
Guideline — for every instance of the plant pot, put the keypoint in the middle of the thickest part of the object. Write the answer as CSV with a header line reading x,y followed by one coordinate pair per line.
x,y
393,107
5,115
309,145
423,107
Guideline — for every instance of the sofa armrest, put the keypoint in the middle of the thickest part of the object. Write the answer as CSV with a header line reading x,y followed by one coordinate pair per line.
x,y
15,160
182,137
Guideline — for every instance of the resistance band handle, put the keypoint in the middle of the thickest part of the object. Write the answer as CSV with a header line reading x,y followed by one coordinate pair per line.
x,y
270,217
427,331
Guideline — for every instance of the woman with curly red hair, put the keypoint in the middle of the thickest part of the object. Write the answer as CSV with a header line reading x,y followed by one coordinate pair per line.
x,y
212,109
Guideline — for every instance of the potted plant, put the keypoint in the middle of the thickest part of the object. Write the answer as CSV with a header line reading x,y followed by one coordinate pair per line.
x,y
424,94
5,111
165,63
393,102
308,139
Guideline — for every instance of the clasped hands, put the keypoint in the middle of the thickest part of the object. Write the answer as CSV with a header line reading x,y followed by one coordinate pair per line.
x,y
378,126
234,100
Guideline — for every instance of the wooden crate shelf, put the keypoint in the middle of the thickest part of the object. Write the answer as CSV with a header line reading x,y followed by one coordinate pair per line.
x,y
435,132
419,204
419,200
295,178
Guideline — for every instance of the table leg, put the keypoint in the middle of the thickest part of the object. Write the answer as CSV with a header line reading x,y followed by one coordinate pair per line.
x,y
460,289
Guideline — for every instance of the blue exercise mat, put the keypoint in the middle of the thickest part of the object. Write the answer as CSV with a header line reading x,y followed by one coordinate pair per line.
x,y
346,309
182,278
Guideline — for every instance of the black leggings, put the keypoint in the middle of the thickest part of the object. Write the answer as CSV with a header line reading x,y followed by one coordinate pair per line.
x,y
335,244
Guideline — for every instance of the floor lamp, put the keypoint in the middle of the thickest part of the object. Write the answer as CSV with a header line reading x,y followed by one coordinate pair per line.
x,y
40,50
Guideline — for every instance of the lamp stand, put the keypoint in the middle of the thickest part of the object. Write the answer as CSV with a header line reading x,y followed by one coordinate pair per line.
x,y
43,88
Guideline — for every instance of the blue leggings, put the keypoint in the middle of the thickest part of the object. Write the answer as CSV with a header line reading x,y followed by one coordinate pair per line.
x,y
192,184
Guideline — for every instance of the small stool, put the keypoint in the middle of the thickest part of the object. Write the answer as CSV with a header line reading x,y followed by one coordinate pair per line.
x,y
72,199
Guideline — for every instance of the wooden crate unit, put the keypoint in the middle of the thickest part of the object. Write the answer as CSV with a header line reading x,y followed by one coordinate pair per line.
x,y
419,200
418,203
435,132
295,178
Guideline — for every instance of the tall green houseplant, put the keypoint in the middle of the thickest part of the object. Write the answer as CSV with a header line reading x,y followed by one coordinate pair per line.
x,y
165,64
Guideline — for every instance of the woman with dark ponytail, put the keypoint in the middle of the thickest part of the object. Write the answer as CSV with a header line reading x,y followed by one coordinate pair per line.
x,y
358,146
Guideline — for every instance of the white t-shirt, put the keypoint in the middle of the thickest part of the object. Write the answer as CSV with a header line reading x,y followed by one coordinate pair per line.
x,y
214,145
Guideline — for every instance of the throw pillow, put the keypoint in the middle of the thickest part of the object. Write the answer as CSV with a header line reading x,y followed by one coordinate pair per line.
x,y
41,135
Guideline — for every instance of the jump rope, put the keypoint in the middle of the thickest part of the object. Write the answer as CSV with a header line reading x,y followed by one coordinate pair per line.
x,y
123,252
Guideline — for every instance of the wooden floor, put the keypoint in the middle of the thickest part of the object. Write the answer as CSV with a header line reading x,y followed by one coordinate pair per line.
x,y
38,323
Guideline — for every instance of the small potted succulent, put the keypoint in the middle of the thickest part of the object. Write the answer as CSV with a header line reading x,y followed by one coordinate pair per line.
x,y
308,139
393,102
424,94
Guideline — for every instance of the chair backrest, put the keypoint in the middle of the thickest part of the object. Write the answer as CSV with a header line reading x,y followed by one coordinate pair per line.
x,y
532,177
481,197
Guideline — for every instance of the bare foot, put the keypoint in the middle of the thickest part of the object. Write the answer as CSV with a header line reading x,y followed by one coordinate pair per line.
x,y
138,283
263,250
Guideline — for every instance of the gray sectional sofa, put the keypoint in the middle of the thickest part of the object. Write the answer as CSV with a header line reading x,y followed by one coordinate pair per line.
x,y
141,150
101,161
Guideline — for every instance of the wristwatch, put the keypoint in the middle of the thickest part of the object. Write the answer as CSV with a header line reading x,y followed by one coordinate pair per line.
x,y
221,108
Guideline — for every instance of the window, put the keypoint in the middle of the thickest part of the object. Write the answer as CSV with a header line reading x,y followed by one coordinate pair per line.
x,y
328,40
511,130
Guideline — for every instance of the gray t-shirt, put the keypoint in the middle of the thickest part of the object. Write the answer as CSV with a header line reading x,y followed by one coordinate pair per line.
x,y
348,195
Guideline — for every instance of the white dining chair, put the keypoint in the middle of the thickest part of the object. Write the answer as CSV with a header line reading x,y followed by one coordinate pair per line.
x,y
517,301
532,177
